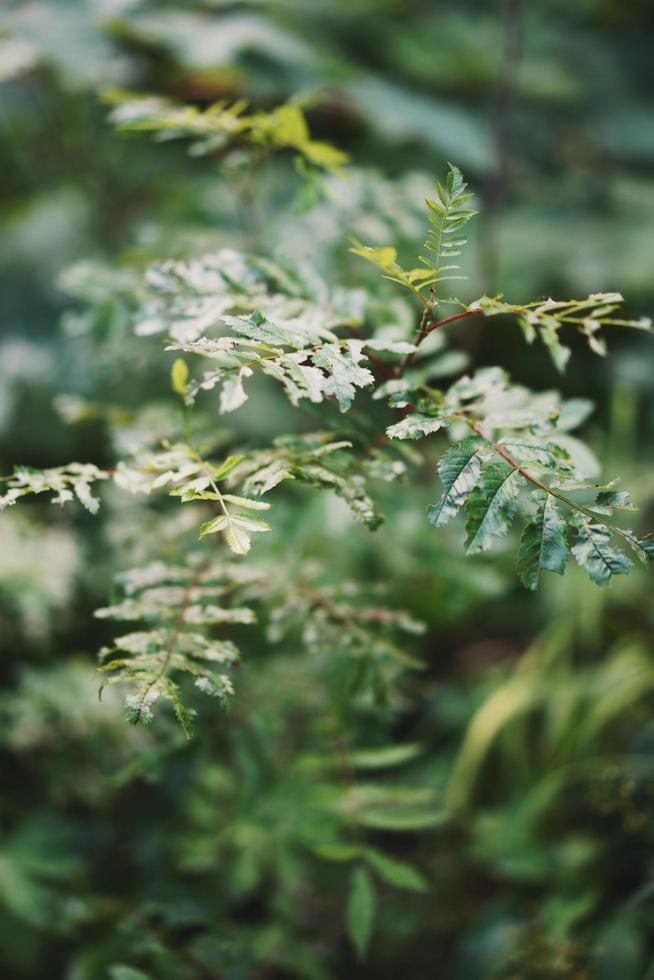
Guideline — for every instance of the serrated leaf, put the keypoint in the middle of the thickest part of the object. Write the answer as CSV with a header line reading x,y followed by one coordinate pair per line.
x,y
214,525
446,216
360,913
544,543
253,524
459,469
610,499
294,333
492,506
232,393
345,373
644,547
595,555
246,503
414,426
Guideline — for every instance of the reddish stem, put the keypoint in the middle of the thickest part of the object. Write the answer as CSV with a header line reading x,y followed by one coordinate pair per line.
x,y
450,319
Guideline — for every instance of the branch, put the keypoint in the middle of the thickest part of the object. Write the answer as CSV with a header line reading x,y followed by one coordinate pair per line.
x,y
420,336
451,319
174,635
596,518
426,328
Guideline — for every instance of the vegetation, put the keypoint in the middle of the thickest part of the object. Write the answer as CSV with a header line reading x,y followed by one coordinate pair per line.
x,y
335,735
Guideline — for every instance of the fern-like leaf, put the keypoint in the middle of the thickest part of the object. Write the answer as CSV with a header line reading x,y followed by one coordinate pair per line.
x,y
447,215
176,606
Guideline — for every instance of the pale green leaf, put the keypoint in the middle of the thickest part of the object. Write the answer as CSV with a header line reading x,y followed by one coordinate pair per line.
x,y
121,972
459,469
595,555
345,373
395,872
414,426
214,525
360,911
388,755
246,502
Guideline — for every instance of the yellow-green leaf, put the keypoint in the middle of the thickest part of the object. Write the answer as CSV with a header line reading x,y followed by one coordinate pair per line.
x,y
179,376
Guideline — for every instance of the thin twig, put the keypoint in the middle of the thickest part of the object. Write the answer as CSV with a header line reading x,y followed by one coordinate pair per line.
x,y
422,331
451,319
174,635
568,501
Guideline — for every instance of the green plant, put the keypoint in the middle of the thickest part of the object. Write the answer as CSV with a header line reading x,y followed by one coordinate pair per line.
x,y
247,315
233,322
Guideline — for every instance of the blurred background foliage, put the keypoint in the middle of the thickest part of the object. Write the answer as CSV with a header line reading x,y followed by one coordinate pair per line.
x,y
526,798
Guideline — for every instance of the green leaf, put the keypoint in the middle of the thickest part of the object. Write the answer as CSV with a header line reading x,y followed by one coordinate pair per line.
x,y
214,525
544,543
220,472
24,896
559,353
545,319
414,426
389,755
459,469
237,538
384,257
400,819
492,506
337,851
246,503
595,554
237,528
360,913
344,372
397,873
118,971
179,376
232,393
644,547
447,215
293,333
249,523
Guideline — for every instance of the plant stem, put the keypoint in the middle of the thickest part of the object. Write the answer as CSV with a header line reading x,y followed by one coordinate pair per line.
x,y
451,319
568,501
423,330
426,328
176,630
